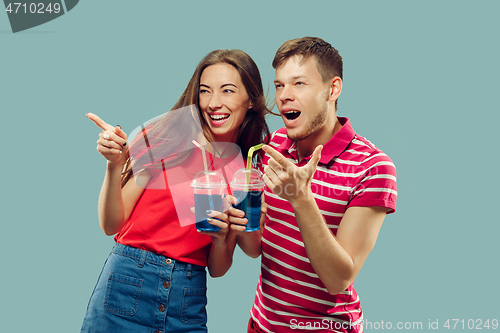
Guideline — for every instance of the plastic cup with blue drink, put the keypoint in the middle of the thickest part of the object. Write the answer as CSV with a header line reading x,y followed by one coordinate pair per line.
x,y
209,187
247,187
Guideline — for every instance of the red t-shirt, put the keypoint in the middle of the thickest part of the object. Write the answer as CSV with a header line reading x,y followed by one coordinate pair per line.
x,y
162,221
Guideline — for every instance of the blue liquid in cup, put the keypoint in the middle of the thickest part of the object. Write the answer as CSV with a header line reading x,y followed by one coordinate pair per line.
x,y
250,202
202,203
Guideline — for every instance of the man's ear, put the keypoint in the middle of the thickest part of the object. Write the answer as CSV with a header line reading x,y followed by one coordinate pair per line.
x,y
335,89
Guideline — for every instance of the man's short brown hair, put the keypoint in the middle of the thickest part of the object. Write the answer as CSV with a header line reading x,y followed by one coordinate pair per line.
x,y
328,59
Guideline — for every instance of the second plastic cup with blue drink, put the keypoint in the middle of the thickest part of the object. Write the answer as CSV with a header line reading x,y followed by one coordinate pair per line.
x,y
209,187
247,186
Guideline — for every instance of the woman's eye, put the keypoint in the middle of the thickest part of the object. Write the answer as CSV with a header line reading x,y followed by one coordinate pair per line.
x,y
278,86
202,91
227,91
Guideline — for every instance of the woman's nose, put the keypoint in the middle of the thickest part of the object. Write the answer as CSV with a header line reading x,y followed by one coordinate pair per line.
x,y
215,102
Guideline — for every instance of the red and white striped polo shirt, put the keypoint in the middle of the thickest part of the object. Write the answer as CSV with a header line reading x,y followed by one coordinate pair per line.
x,y
290,296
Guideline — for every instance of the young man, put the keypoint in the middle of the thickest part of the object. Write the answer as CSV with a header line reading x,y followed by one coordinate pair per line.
x,y
328,191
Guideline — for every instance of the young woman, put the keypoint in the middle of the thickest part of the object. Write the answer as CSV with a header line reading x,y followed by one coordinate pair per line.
x,y
154,280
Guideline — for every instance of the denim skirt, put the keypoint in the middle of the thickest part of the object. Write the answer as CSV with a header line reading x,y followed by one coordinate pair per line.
x,y
142,292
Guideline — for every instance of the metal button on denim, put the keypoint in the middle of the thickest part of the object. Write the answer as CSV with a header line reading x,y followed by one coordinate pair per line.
x,y
166,284
161,308
168,261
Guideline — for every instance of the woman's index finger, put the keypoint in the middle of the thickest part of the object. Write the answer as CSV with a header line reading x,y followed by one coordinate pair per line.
x,y
100,123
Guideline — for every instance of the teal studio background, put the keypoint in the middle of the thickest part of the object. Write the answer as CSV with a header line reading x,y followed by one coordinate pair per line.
x,y
420,81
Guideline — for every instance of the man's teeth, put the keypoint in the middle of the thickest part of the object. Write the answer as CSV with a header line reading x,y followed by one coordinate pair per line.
x,y
291,115
219,116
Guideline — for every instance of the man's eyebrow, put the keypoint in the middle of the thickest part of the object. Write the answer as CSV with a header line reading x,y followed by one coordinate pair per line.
x,y
293,78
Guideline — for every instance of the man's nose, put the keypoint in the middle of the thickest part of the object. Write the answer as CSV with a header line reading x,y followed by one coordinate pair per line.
x,y
285,94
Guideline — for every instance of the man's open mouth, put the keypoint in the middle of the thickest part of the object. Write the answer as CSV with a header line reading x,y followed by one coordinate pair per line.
x,y
291,115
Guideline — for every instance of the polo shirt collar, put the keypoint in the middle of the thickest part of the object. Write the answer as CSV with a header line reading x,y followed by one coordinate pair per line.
x,y
331,149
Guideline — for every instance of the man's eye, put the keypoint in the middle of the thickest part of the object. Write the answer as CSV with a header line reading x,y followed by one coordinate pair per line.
x,y
278,86
299,83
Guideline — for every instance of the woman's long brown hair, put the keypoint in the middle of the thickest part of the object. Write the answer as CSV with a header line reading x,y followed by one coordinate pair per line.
x,y
172,134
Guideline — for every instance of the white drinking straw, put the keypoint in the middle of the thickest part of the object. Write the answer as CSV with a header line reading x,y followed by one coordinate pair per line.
x,y
205,164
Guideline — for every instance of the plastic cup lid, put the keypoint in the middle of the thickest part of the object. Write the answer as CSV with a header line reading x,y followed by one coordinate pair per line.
x,y
208,179
245,179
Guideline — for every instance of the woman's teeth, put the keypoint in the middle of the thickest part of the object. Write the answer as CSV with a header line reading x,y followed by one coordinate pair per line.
x,y
219,117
